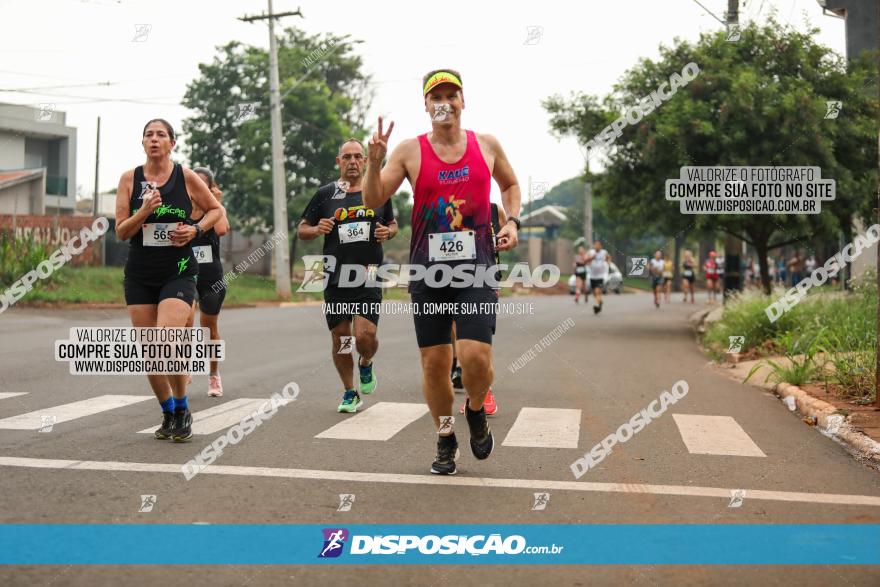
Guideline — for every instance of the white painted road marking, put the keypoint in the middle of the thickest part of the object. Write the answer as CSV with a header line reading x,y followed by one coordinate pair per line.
x,y
715,435
545,428
7,394
379,422
406,479
220,417
71,411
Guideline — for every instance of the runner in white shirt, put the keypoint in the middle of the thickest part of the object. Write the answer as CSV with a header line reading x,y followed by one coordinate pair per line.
x,y
655,266
598,259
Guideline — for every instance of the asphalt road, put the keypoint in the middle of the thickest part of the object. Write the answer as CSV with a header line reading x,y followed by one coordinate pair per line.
x,y
288,471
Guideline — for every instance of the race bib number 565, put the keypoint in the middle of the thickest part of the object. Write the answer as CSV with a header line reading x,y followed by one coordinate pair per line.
x,y
158,234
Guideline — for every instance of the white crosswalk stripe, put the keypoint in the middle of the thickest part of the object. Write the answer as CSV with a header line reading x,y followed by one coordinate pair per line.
x,y
220,417
545,428
715,435
67,412
380,422
7,394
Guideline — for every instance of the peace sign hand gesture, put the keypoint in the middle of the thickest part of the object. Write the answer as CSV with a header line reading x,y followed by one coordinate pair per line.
x,y
378,145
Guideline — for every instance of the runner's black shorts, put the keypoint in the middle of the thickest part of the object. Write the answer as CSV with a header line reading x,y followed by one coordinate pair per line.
x,y
139,292
358,301
656,281
210,301
690,277
597,283
471,308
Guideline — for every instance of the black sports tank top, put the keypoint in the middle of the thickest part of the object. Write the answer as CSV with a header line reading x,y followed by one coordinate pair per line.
x,y
151,257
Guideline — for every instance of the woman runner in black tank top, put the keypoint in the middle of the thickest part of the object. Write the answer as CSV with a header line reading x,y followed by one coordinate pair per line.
x,y
210,287
152,204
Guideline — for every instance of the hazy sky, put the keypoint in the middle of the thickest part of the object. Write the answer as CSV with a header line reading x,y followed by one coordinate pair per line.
x,y
73,45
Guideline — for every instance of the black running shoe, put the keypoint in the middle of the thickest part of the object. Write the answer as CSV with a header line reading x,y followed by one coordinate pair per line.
x,y
482,442
596,309
181,428
447,452
456,378
163,432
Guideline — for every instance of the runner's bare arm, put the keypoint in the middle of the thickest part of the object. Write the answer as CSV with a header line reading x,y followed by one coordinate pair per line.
x,y
205,200
127,224
381,182
386,183
307,232
502,172
222,227
203,197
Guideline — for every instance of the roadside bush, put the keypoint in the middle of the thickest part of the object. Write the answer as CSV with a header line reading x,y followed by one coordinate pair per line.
x,y
18,256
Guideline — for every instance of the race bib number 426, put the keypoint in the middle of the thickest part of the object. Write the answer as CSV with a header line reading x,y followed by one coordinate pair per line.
x,y
352,232
452,246
158,234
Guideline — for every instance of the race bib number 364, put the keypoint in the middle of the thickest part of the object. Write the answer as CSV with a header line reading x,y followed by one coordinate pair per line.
x,y
452,246
158,234
352,232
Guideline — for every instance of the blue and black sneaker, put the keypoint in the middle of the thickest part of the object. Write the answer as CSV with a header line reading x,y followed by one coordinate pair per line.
x,y
181,428
351,401
368,378
163,432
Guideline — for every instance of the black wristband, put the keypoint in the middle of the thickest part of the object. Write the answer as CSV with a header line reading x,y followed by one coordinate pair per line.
x,y
516,221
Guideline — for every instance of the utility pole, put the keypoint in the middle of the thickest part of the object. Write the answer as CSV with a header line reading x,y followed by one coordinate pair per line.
x,y
732,244
95,207
588,210
279,189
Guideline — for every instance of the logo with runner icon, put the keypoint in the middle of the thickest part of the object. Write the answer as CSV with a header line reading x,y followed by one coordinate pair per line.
x,y
147,503
334,542
346,345
637,266
317,272
147,187
346,500
541,501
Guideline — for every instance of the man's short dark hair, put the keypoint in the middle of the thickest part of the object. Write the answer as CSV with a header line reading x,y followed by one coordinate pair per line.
x,y
351,140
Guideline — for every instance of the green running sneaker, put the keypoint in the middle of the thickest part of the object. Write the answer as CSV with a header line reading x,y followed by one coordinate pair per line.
x,y
351,401
368,379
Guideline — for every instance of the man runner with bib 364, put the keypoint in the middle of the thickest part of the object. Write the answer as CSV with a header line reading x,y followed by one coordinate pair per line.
x,y
353,235
451,170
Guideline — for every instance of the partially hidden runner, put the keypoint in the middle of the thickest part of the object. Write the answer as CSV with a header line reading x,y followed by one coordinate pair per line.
x,y
210,287
499,218
153,202
711,268
580,274
353,235
451,170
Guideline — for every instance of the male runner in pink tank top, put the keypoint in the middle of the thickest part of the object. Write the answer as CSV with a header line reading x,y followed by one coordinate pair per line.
x,y
450,170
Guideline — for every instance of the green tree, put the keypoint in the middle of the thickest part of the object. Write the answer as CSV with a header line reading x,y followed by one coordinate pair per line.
x,y
758,101
324,101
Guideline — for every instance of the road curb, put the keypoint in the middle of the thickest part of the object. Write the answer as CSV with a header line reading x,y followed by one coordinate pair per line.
x,y
825,416
830,422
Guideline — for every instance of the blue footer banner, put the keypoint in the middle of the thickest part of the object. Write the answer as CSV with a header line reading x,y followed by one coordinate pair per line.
x,y
353,544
